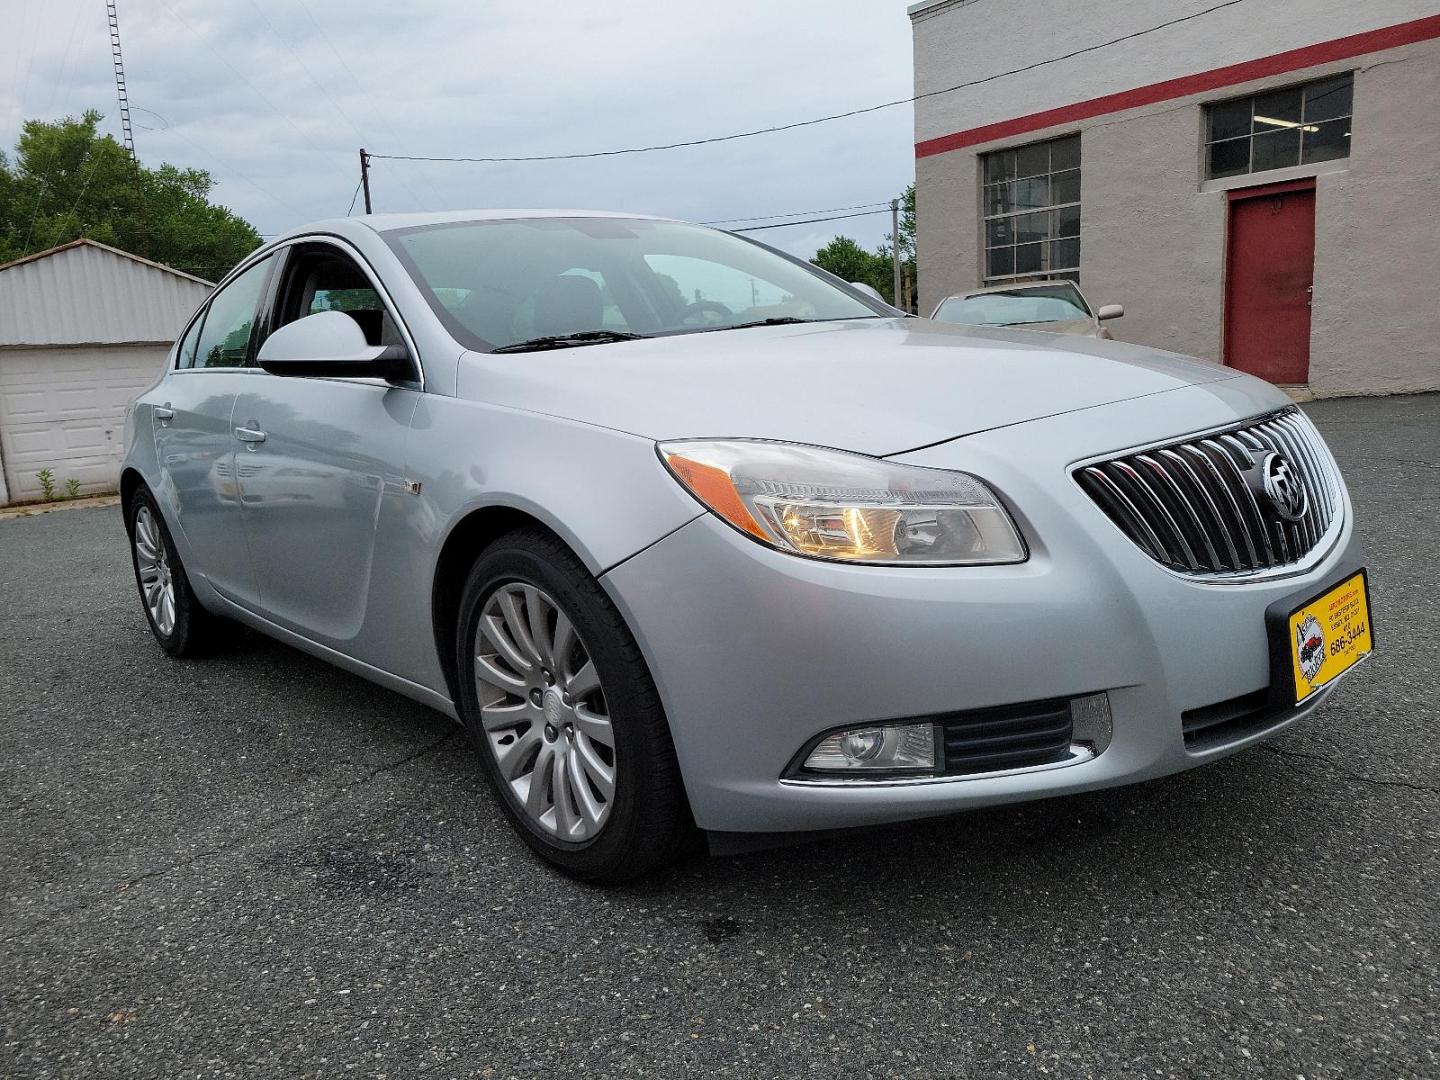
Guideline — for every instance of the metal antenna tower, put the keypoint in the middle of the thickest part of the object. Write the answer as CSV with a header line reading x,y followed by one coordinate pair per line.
x,y
129,135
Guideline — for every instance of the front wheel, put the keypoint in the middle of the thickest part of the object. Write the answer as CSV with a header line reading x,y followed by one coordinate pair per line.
x,y
556,696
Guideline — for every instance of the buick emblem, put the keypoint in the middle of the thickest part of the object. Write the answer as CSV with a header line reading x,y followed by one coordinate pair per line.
x,y
1283,487
554,708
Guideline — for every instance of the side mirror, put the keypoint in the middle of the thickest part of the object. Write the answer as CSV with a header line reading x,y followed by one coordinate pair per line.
x,y
868,290
331,343
1111,311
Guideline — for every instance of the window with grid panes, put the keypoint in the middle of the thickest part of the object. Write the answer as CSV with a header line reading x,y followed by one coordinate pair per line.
x,y
1032,212
1279,129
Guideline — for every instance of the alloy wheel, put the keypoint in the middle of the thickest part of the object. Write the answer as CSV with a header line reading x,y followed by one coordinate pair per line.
x,y
153,563
543,712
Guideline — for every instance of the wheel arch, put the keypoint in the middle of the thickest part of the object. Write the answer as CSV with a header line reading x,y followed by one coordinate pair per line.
x,y
130,482
468,537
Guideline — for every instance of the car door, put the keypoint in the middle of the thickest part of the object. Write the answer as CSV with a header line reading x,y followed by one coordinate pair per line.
x,y
317,460
194,438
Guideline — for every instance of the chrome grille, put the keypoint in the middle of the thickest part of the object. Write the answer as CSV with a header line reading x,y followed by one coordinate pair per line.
x,y
1200,505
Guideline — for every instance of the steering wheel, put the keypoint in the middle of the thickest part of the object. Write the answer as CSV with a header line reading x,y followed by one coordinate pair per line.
x,y
706,313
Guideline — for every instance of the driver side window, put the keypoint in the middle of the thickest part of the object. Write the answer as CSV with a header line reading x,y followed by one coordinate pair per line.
x,y
318,278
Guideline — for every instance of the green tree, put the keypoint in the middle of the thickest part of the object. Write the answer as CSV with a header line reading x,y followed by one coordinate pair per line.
x,y
907,225
846,259
351,300
66,181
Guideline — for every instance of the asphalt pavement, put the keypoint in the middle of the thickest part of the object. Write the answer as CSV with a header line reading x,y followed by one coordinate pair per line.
x,y
257,865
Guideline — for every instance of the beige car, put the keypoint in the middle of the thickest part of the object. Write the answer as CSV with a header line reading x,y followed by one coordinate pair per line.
x,y
1057,307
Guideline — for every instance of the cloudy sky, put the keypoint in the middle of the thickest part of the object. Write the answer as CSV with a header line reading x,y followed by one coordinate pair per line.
x,y
274,97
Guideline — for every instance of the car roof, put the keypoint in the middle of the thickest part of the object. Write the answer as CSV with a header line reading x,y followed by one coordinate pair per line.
x,y
385,222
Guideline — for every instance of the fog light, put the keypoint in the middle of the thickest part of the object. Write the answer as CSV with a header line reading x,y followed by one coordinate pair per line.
x,y
861,746
891,748
1090,720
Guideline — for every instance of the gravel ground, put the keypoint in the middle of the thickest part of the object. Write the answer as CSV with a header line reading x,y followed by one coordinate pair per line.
x,y
260,866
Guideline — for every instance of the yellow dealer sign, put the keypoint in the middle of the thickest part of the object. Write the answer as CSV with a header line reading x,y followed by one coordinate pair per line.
x,y
1330,635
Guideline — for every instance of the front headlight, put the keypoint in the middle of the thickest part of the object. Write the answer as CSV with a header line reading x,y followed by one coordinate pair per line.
x,y
829,504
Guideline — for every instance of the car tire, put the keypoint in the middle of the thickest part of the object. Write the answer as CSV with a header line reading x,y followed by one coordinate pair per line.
x,y
559,803
180,624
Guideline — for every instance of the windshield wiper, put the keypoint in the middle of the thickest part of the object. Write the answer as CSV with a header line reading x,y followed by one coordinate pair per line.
x,y
568,341
782,320
776,320
772,321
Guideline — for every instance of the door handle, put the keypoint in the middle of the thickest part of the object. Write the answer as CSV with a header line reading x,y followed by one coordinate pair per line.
x,y
250,435
164,413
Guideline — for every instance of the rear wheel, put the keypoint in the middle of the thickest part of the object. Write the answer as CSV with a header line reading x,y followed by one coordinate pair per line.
x,y
179,623
563,710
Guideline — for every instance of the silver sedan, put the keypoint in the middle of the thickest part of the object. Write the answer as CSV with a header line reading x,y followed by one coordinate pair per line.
x,y
690,535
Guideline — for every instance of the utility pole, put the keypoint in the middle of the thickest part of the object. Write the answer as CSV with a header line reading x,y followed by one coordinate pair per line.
x,y
365,176
895,242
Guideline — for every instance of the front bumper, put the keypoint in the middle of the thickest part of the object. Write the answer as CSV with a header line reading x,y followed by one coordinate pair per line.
x,y
755,651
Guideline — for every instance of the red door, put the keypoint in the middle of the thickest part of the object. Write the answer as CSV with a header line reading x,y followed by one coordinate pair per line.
x,y
1270,267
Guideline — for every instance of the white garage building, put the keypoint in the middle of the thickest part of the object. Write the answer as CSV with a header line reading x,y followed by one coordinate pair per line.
x,y
83,329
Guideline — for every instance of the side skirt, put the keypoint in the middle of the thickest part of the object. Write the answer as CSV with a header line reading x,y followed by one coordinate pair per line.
x,y
414,691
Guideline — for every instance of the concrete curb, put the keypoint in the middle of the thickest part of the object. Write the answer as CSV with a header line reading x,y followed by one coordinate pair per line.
x,y
31,509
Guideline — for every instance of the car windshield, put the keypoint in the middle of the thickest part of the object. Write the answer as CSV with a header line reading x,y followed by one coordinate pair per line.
x,y
560,281
1060,302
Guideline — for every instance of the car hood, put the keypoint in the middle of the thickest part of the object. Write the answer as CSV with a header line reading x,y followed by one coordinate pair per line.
x,y
875,386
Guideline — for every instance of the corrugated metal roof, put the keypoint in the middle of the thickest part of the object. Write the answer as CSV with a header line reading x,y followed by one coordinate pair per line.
x,y
88,293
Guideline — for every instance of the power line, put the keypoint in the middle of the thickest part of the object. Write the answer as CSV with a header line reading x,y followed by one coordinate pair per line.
x,y
23,86
241,76
35,210
374,113
812,221
818,120
210,155
314,79
80,18
795,213
353,197
84,187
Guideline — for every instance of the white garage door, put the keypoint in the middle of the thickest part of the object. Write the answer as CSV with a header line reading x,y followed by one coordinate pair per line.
x,y
63,409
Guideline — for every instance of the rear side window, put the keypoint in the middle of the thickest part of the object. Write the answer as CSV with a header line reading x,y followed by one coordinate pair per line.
x,y
229,322
185,355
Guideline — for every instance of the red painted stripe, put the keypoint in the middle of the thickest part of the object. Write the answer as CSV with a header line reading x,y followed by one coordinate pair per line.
x,y
1325,52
